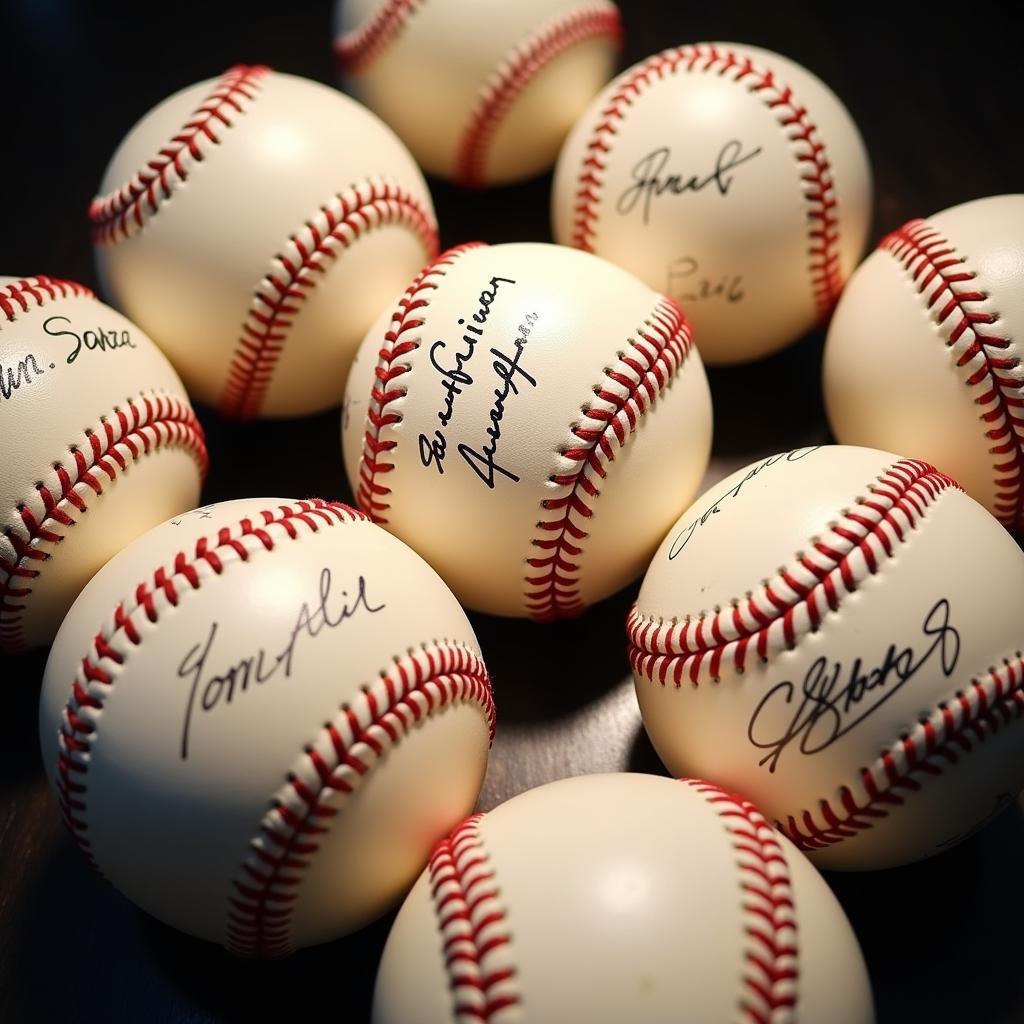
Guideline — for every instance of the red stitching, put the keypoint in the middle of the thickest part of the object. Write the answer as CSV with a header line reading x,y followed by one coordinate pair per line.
x,y
298,268
472,925
380,413
355,51
629,389
954,729
819,191
32,292
944,283
517,70
131,431
795,601
119,214
334,765
111,647
772,967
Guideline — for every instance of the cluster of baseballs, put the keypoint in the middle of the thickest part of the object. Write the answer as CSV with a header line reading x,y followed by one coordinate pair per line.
x,y
531,420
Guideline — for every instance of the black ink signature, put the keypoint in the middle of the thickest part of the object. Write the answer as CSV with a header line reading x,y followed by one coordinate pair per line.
x,y
833,699
684,535
681,274
90,341
226,684
648,182
507,367
14,378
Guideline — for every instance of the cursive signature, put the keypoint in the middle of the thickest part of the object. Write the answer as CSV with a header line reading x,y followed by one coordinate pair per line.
x,y
683,537
14,378
98,340
833,698
649,182
223,684
685,286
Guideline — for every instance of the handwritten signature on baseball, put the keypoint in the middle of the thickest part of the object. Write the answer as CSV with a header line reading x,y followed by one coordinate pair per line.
x,y
834,698
650,182
213,683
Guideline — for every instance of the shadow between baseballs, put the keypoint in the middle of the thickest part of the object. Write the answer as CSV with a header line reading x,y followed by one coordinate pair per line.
x,y
19,735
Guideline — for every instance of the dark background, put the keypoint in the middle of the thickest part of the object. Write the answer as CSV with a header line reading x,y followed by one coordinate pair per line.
x,y
938,99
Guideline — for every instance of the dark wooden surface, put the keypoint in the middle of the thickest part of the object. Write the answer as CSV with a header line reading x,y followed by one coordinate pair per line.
x,y
938,101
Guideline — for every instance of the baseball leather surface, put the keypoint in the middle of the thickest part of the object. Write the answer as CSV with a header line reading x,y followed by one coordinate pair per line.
x,y
531,419
923,353
255,224
99,444
814,633
731,179
611,898
260,717
481,93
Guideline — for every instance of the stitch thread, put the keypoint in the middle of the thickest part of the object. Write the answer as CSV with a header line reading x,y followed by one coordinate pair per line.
x,y
793,118
473,927
770,982
628,391
293,272
32,292
517,70
796,600
954,729
381,416
356,50
948,291
414,688
121,213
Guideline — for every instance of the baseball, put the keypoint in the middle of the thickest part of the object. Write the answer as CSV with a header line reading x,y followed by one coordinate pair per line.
x,y
260,717
530,419
812,633
611,898
728,177
923,354
482,94
99,444
255,224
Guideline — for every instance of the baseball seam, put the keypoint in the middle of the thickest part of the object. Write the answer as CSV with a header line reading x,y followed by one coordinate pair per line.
x,y
800,130
33,292
357,49
473,926
794,602
516,70
644,371
958,309
299,266
123,212
332,767
381,413
771,955
953,729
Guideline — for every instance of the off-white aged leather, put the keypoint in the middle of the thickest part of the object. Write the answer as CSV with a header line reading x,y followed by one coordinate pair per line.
x,y
610,898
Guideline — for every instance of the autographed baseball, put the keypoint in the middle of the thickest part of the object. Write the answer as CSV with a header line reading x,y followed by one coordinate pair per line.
x,y
728,177
260,717
255,224
482,93
923,354
815,633
99,444
612,898
530,419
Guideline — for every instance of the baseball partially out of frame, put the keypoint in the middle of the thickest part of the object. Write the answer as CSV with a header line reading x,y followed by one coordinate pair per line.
x,y
260,717
815,633
923,355
530,419
611,898
482,94
728,177
99,444
255,224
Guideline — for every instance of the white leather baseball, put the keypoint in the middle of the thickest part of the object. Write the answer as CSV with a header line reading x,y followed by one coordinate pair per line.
x,y
819,632
611,898
261,741
728,177
99,444
482,94
255,224
923,353
530,419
